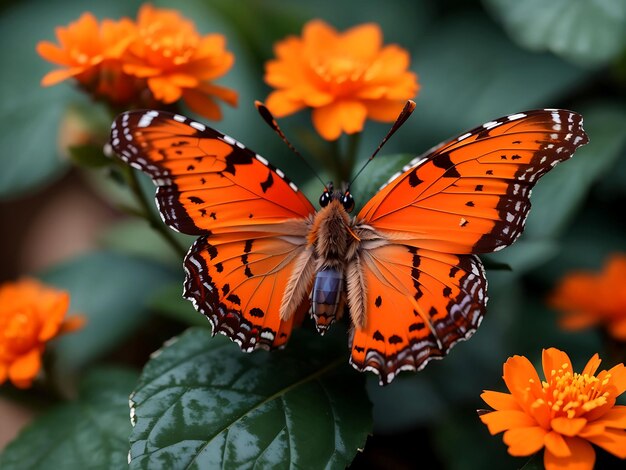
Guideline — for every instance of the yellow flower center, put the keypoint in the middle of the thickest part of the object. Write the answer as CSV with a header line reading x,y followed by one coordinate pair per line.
x,y
570,394
18,332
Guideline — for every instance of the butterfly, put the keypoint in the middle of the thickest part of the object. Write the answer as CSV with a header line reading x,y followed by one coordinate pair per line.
x,y
405,267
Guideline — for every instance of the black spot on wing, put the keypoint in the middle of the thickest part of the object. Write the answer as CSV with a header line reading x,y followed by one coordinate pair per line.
x,y
443,161
234,299
394,339
235,158
196,200
257,312
379,301
265,185
414,179
378,336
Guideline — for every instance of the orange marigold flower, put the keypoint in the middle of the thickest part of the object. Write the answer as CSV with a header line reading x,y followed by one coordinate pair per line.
x,y
565,413
90,53
31,314
179,63
589,299
345,77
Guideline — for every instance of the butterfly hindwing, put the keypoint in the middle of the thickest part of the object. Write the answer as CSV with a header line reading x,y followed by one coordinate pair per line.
x,y
471,194
238,281
419,304
207,181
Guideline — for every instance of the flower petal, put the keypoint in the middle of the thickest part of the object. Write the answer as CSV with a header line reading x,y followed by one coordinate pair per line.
x,y
614,418
618,378
498,421
53,316
553,360
582,457
202,104
280,104
24,369
557,445
568,426
592,365
57,76
164,90
362,41
521,378
500,401
384,110
612,440
52,53
343,116
524,441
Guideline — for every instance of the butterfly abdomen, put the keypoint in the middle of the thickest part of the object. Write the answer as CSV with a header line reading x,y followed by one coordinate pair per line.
x,y
326,297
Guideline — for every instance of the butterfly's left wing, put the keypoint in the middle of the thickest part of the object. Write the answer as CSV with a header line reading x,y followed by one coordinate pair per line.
x,y
252,221
425,289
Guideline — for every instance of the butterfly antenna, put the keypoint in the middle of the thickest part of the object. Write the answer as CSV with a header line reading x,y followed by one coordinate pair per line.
x,y
269,119
408,109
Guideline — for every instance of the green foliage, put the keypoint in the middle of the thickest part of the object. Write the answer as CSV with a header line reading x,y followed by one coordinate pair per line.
x,y
112,292
90,432
583,31
200,403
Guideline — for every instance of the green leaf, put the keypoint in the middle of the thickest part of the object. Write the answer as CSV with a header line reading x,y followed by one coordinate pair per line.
x,y
91,432
583,31
112,291
169,302
470,73
558,195
202,403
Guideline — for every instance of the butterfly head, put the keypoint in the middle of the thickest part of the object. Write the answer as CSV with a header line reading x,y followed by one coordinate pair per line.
x,y
344,197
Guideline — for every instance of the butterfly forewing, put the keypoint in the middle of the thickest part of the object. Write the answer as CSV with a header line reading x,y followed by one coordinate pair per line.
x,y
471,194
206,181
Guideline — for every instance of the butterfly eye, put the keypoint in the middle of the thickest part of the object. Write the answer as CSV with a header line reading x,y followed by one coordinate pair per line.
x,y
324,199
347,202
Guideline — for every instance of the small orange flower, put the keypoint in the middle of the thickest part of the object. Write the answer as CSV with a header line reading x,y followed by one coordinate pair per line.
x,y
588,299
31,314
566,413
157,60
90,53
345,77
177,62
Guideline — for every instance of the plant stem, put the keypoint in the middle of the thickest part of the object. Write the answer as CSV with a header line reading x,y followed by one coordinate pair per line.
x,y
147,213
350,156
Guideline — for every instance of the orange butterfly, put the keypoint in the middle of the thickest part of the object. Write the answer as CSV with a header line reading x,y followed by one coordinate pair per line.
x,y
405,266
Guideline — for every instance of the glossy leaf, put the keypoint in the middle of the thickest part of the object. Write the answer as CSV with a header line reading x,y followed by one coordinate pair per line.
x,y
587,32
112,292
202,403
91,432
